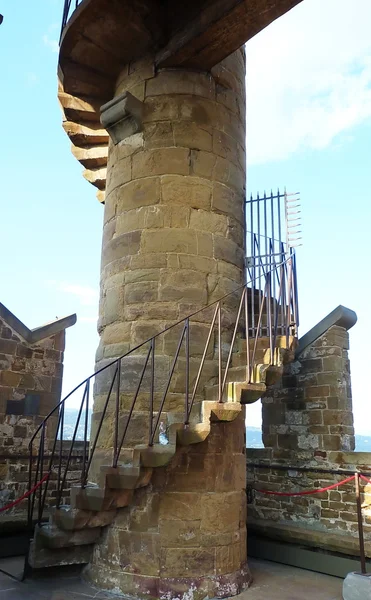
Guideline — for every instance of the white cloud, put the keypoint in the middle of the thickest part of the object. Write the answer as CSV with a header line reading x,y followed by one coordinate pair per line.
x,y
86,295
52,44
308,78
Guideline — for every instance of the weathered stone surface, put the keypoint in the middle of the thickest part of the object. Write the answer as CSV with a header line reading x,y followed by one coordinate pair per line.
x,y
357,587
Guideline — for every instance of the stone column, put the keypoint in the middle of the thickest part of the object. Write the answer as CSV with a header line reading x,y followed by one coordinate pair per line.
x,y
173,221
173,243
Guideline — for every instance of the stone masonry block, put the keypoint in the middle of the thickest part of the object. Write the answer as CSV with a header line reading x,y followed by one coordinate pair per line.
x,y
189,191
181,82
189,135
160,161
226,201
119,174
138,193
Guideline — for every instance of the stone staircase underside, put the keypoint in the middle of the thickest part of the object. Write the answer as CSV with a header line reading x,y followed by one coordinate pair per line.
x,y
94,50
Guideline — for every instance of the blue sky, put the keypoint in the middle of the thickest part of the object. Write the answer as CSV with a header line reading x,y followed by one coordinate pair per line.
x,y
309,128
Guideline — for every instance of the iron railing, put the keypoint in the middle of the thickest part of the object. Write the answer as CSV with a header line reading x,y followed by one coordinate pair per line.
x,y
224,322
68,8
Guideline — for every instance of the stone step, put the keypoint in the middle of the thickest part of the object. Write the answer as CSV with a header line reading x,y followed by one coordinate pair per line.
x,y
157,455
79,109
98,499
193,434
125,477
220,411
248,393
96,177
50,536
79,80
40,558
84,134
91,157
72,519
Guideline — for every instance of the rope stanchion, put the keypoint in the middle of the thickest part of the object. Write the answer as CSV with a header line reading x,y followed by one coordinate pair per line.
x,y
306,492
31,491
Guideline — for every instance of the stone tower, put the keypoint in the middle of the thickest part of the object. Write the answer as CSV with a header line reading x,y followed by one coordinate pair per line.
x,y
169,164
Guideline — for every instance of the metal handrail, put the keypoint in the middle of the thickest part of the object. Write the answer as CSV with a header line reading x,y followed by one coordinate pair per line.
x,y
67,12
285,271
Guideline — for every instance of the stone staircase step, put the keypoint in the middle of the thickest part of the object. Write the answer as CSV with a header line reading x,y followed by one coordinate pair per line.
x,y
220,411
50,536
85,134
125,477
96,176
98,499
72,519
40,558
91,157
79,80
247,393
193,434
79,109
157,455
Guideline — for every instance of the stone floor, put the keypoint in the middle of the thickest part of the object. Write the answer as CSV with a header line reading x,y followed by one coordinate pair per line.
x,y
272,581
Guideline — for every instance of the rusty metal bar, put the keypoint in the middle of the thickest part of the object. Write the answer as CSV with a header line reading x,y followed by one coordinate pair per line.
x,y
40,494
132,406
187,372
71,450
202,362
360,525
153,433
117,412
247,337
220,352
233,340
256,337
152,390
85,431
83,483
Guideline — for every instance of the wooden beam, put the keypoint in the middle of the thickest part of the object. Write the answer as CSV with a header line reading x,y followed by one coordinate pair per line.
x,y
219,29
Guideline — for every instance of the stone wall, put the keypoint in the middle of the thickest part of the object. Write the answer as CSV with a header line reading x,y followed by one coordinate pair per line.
x,y
15,483
31,367
308,422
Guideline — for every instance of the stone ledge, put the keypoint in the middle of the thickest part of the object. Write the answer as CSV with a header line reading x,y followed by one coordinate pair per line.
x,y
32,336
340,316
314,538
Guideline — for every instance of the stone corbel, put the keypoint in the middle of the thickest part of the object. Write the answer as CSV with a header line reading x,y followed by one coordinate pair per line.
x,y
122,116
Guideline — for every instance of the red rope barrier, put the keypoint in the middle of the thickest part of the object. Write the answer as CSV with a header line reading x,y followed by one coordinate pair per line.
x,y
307,492
365,479
31,491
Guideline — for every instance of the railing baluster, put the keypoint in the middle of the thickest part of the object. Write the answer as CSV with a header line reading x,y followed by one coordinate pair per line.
x,y
117,412
233,339
42,450
92,450
60,449
187,372
84,456
151,393
132,406
220,352
71,449
247,337
154,429
202,362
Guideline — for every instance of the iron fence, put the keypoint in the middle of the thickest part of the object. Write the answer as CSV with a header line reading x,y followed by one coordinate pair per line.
x,y
226,323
